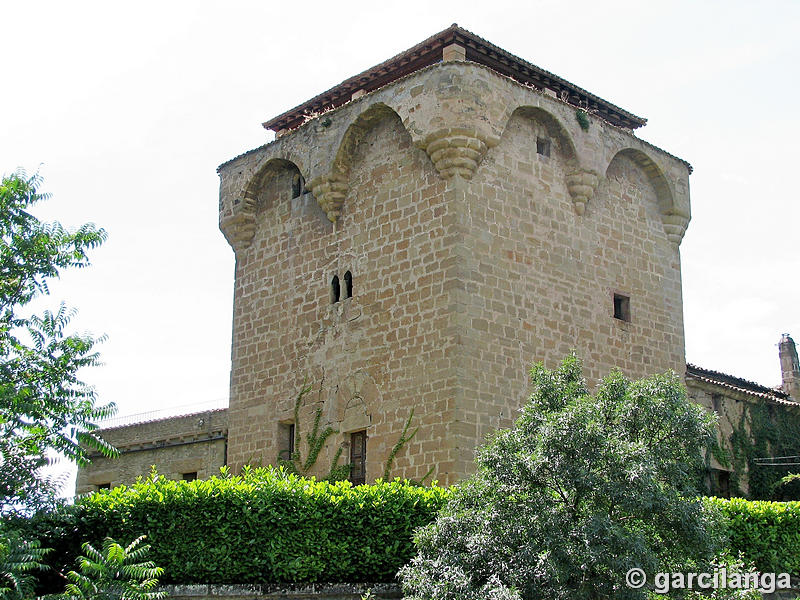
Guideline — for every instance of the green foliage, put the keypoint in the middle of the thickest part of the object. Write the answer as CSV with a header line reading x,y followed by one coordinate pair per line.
x,y
57,530
115,573
19,561
764,533
264,526
316,442
44,407
580,490
766,430
583,119
404,438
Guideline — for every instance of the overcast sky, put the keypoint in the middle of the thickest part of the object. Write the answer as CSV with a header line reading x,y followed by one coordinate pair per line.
x,y
127,109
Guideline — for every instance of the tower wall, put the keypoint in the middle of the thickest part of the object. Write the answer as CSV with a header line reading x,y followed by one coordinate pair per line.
x,y
484,228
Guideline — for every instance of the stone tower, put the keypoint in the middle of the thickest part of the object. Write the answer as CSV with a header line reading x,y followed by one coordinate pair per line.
x,y
418,235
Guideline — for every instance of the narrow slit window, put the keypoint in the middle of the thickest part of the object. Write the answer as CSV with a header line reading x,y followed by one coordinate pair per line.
x,y
348,285
543,146
298,185
622,307
335,291
358,457
190,476
286,441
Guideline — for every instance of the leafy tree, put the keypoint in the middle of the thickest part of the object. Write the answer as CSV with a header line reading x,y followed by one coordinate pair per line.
x,y
116,572
19,560
580,490
44,406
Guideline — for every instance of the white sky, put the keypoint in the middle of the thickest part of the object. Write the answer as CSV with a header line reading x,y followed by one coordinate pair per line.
x,y
127,109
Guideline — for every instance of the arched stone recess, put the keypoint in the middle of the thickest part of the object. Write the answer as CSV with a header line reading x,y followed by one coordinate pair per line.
x,y
581,181
674,217
563,145
356,399
330,189
239,226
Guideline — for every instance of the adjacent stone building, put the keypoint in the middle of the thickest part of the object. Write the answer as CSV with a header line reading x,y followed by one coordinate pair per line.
x,y
415,238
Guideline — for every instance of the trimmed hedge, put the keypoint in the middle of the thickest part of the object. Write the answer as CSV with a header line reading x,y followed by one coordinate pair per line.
x,y
265,526
270,527
765,533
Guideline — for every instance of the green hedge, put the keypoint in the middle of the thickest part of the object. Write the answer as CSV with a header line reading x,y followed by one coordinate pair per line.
x,y
765,533
265,527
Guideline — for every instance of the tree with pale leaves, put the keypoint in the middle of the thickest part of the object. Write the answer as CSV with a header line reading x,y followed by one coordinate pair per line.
x,y
581,489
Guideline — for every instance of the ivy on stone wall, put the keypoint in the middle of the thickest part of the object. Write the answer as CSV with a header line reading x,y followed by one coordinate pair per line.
x,y
316,442
405,437
766,431
316,439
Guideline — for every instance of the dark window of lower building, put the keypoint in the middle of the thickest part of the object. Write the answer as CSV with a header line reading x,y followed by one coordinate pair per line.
x,y
103,486
543,146
189,476
716,403
358,457
348,285
722,483
622,307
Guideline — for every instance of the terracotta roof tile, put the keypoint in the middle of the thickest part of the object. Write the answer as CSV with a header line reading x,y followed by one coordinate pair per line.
x,y
429,52
740,385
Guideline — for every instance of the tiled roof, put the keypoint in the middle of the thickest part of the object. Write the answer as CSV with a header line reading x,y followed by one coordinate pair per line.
x,y
738,384
477,50
151,417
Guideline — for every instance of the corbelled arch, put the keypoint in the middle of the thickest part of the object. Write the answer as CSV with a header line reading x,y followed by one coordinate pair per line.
x,y
239,225
581,182
265,172
674,219
330,189
552,125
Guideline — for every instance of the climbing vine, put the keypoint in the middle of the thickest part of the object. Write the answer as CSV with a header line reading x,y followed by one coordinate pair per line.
x,y
583,119
317,438
766,431
316,442
405,437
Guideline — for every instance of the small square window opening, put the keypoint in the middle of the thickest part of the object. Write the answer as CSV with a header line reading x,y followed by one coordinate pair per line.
x,y
191,476
543,146
622,307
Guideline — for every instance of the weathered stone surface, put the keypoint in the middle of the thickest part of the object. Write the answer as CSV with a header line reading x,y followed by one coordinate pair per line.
x,y
468,263
189,444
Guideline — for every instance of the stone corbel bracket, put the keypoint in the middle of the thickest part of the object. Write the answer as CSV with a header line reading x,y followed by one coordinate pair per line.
x,y
675,226
456,150
239,226
330,191
581,185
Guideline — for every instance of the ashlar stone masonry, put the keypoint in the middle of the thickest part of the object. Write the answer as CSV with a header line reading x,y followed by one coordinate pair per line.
x,y
420,234
481,227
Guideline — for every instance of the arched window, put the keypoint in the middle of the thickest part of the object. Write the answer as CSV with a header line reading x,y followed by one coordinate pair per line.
x,y
348,285
335,289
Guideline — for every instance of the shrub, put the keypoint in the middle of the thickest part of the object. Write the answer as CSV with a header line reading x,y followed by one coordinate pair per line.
x,y
115,572
764,533
265,526
581,489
